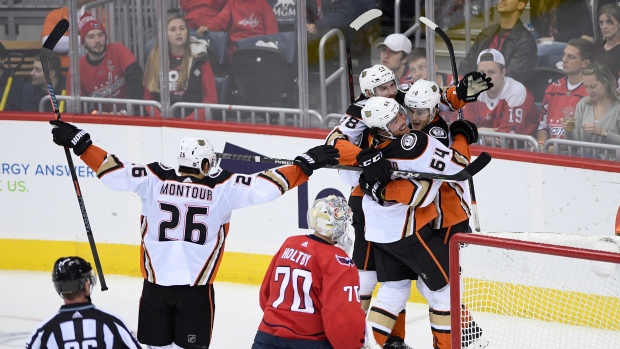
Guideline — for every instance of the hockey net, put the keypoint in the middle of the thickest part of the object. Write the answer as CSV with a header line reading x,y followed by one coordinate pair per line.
x,y
538,290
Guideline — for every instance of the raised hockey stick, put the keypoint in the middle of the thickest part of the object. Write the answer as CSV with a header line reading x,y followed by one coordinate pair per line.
x,y
46,51
473,168
357,24
448,43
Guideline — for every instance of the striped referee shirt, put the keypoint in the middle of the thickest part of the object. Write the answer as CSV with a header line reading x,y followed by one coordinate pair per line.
x,y
82,326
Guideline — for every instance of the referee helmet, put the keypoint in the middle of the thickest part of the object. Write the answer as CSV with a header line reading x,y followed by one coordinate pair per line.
x,y
70,274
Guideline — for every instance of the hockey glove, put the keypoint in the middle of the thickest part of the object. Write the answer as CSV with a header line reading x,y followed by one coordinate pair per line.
x,y
374,165
466,128
69,136
472,85
316,158
374,189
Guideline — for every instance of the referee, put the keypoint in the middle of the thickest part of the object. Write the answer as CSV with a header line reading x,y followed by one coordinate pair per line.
x,y
79,324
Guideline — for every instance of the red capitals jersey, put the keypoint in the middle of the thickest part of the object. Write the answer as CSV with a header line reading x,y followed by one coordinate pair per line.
x,y
557,96
513,111
106,79
311,292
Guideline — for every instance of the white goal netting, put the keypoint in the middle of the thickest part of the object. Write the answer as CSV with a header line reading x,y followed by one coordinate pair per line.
x,y
539,300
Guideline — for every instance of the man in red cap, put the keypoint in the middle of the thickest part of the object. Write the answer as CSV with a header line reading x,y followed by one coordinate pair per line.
x,y
107,70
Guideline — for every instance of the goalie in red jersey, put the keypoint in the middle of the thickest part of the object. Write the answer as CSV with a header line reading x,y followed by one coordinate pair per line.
x,y
310,293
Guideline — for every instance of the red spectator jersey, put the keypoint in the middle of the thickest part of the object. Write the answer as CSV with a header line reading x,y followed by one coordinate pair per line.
x,y
557,96
311,292
245,18
513,111
107,78
196,11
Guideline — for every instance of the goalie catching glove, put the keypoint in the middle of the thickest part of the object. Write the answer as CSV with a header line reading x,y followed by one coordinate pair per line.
x,y
69,136
472,85
374,165
317,157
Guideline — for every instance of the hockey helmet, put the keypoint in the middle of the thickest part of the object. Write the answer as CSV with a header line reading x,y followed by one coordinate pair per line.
x,y
70,274
423,94
374,76
378,112
330,216
194,151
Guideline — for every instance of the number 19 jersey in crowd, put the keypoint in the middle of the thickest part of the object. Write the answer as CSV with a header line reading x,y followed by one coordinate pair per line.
x,y
311,292
185,219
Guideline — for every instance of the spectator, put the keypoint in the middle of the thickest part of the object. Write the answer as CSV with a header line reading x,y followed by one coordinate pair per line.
x,y
52,18
416,61
79,324
394,51
511,38
107,70
598,114
36,89
190,78
608,52
198,11
555,22
242,19
331,314
13,100
508,106
565,92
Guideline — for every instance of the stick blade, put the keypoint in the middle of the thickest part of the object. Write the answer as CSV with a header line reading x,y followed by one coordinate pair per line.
x,y
58,32
477,165
428,22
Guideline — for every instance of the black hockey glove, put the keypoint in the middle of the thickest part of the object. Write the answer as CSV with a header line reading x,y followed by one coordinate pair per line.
x,y
374,189
472,85
316,158
466,128
375,166
67,135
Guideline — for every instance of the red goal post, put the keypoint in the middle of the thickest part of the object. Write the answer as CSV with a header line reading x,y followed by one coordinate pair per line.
x,y
537,282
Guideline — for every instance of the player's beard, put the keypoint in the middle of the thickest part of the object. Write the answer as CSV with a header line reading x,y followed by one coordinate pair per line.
x,y
97,53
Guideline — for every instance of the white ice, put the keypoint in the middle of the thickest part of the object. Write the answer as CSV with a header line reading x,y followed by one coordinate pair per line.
x,y
28,298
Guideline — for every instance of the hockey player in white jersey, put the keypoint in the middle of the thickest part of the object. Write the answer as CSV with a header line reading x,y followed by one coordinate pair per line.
x,y
185,219
398,214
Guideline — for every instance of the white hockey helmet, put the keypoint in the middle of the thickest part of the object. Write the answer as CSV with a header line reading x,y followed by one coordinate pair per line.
x,y
330,216
374,76
193,151
423,94
379,111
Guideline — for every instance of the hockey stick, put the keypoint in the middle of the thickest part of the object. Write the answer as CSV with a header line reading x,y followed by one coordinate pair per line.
x,y
455,78
46,51
357,24
473,168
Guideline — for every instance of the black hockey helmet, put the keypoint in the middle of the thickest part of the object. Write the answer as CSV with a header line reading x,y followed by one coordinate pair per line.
x,y
70,273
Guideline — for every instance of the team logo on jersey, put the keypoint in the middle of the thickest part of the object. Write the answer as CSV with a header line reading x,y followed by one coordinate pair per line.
x,y
408,141
345,261
437,132
191,338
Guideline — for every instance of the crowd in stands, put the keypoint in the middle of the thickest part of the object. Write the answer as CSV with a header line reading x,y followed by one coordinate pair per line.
x,y
578,40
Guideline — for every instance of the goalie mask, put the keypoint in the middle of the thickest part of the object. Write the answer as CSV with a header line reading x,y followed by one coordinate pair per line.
x,y
330,216
423,94
194,152
378,112
70,274
375,76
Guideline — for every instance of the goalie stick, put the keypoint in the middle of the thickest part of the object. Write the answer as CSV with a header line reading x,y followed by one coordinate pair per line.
x,y
46,51
455,75
470,170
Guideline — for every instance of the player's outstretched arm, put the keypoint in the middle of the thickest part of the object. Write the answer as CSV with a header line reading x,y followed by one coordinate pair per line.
x,y
67,135
316,158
